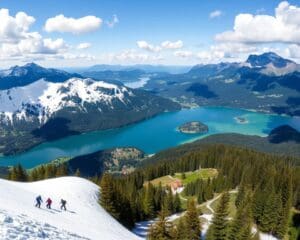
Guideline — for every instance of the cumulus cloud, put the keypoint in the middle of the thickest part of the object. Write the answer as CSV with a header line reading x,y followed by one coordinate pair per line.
x,y
18,42
84,45
133,56
12,29
113,22
147,46
63,24
293,51
283,27
172,45
183,54
215,14
164,45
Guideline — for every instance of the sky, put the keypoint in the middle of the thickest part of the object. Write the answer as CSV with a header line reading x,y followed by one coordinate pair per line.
x,y
171,32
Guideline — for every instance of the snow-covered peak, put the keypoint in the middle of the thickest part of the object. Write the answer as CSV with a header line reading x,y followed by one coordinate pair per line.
x,y
267,58
43,99
84,218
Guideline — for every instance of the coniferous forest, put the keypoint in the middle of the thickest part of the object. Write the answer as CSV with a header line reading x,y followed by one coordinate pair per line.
x,y
268,194
268,188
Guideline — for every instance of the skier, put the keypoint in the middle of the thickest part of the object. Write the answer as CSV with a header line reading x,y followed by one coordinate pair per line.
x,y
49,202
38,201
63,204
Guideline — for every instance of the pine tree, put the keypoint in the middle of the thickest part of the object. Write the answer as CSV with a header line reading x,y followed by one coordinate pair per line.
x,y
62,170
18,173
107,199
77,173
219,227
269,217
168,202
177,203
192,222
162,229
149,201
181,229
241,226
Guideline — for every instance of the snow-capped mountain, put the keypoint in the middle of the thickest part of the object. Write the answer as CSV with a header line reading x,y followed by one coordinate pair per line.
x,y
50,107
23,75
43,99
84,218
272,64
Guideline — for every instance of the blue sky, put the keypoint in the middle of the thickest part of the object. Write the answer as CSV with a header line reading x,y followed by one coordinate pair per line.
x,y
189,27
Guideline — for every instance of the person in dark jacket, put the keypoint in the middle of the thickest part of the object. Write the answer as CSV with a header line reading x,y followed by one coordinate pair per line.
x,y
38,201
49,202
63,204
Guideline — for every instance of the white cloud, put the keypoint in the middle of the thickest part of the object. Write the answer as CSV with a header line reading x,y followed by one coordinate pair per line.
x,y
63,24
149,47
172,45
12,29
17,42
84,45
183,54
293,51
215,14
284,27
113,22
164,45
133,56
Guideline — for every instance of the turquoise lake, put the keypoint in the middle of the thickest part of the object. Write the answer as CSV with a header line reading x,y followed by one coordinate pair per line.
x,y
154,134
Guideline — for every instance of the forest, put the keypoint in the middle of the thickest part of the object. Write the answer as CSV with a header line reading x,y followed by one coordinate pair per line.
x,y
268,197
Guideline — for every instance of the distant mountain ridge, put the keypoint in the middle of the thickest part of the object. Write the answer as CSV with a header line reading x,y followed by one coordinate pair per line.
x,y
18,76
267,58
265,82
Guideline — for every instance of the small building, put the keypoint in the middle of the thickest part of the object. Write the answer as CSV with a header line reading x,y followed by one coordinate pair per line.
x,y
175,185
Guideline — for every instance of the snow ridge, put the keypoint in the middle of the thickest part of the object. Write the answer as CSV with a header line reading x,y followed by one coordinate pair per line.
x,y
42,99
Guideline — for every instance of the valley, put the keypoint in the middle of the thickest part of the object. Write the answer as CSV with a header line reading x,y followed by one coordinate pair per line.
x,y
162,128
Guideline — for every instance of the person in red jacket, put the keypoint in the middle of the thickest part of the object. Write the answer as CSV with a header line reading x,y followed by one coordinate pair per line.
x,y
49,202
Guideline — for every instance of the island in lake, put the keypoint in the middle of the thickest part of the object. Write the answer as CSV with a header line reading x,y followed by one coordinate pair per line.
x,y
241,120
193,127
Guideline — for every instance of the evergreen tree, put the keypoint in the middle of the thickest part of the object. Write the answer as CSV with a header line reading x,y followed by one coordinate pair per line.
x,y
62,170
181,229
192,222
218,230
177,203
241,226
107,199
149,201
168,202
162,229
18,173
77,173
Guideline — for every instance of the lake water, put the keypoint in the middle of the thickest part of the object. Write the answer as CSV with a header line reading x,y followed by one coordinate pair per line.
x,y
154,134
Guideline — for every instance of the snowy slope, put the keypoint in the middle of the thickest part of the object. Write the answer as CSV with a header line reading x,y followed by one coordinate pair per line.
x,y
85,219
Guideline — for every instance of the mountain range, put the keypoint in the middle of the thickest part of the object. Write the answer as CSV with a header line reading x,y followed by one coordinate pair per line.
x,y
39,104
265,82
52,104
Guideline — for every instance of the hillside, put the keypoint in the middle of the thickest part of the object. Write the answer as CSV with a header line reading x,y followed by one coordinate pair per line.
x,y
117,160
84,219
284,147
